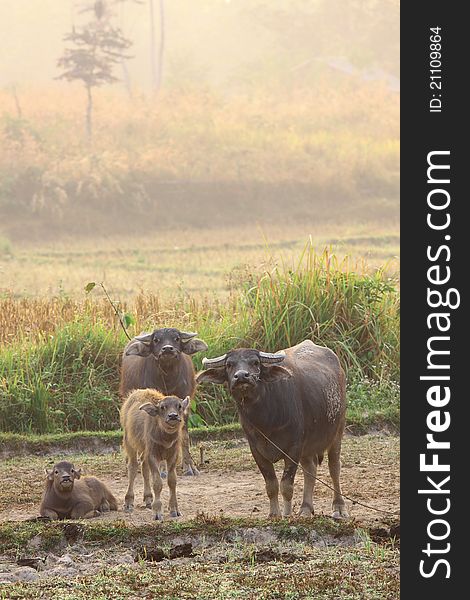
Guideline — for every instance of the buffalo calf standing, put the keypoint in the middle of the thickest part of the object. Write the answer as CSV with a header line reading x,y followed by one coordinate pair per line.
x,y
152,426
161,360
67,495
291,406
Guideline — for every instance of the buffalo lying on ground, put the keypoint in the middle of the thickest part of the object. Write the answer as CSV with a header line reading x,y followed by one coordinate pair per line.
x,y
161,360
67,495
292,406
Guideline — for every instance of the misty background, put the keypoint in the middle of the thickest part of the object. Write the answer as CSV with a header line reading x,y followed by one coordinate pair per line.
x,y
221,113
226,43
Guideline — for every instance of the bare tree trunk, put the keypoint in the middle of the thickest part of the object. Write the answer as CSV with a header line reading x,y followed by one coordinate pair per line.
x,y
89,110
153,64
126,77
19,112
157,65
161,48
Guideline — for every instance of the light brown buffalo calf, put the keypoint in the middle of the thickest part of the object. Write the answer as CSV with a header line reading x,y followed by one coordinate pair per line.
x,y
67,495
153,425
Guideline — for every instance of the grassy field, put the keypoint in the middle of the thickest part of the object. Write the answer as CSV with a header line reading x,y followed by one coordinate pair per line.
x,y
195,262
59,364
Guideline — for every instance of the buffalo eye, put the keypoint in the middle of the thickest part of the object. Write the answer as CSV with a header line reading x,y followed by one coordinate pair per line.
x,y
254,362
179,406
177,338
72,470
56,472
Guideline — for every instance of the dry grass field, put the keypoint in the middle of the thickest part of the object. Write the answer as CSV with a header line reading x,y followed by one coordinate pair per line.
x,y
194,263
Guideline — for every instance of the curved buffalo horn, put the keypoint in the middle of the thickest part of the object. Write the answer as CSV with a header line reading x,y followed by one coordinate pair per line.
x,y
214,362
271,359
144,337
187,336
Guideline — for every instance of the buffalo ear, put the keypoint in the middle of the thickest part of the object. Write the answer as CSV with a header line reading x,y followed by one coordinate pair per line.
x,y
274,373
150,408
217,375
49,474
137,348
185,403
77,473
193,346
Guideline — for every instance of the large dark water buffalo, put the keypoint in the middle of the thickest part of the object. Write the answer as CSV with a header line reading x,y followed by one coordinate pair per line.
x,y
161,360
296,398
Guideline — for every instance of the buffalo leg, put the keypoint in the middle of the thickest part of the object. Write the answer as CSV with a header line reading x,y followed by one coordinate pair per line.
x,y
132,468
309,467
157,487
189,468
48,512
272,484
173,504
83,510
334,465
287,485
148,497
163,469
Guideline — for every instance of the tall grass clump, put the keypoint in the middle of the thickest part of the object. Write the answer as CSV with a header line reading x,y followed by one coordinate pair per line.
x,y
67,381
348,308
354,312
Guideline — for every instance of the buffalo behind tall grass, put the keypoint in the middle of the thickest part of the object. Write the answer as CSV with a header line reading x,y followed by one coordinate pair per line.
x,y
59,371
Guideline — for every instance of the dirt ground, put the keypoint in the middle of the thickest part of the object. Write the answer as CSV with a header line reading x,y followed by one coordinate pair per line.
x,y
229,482
207,557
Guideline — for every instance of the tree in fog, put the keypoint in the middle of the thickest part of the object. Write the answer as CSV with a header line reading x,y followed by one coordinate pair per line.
x,y
92,53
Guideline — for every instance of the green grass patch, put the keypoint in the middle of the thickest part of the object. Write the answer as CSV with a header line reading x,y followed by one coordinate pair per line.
x,y
15,536
68,381
372,404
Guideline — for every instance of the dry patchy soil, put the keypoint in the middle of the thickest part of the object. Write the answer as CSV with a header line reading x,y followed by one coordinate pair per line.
x,y
229,549
229,482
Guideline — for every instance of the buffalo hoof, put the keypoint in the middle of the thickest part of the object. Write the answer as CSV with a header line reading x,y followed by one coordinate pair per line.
x,y
305,513
128,507
276,515
190,471
175,513
163,474
340,512
158,517
148,501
